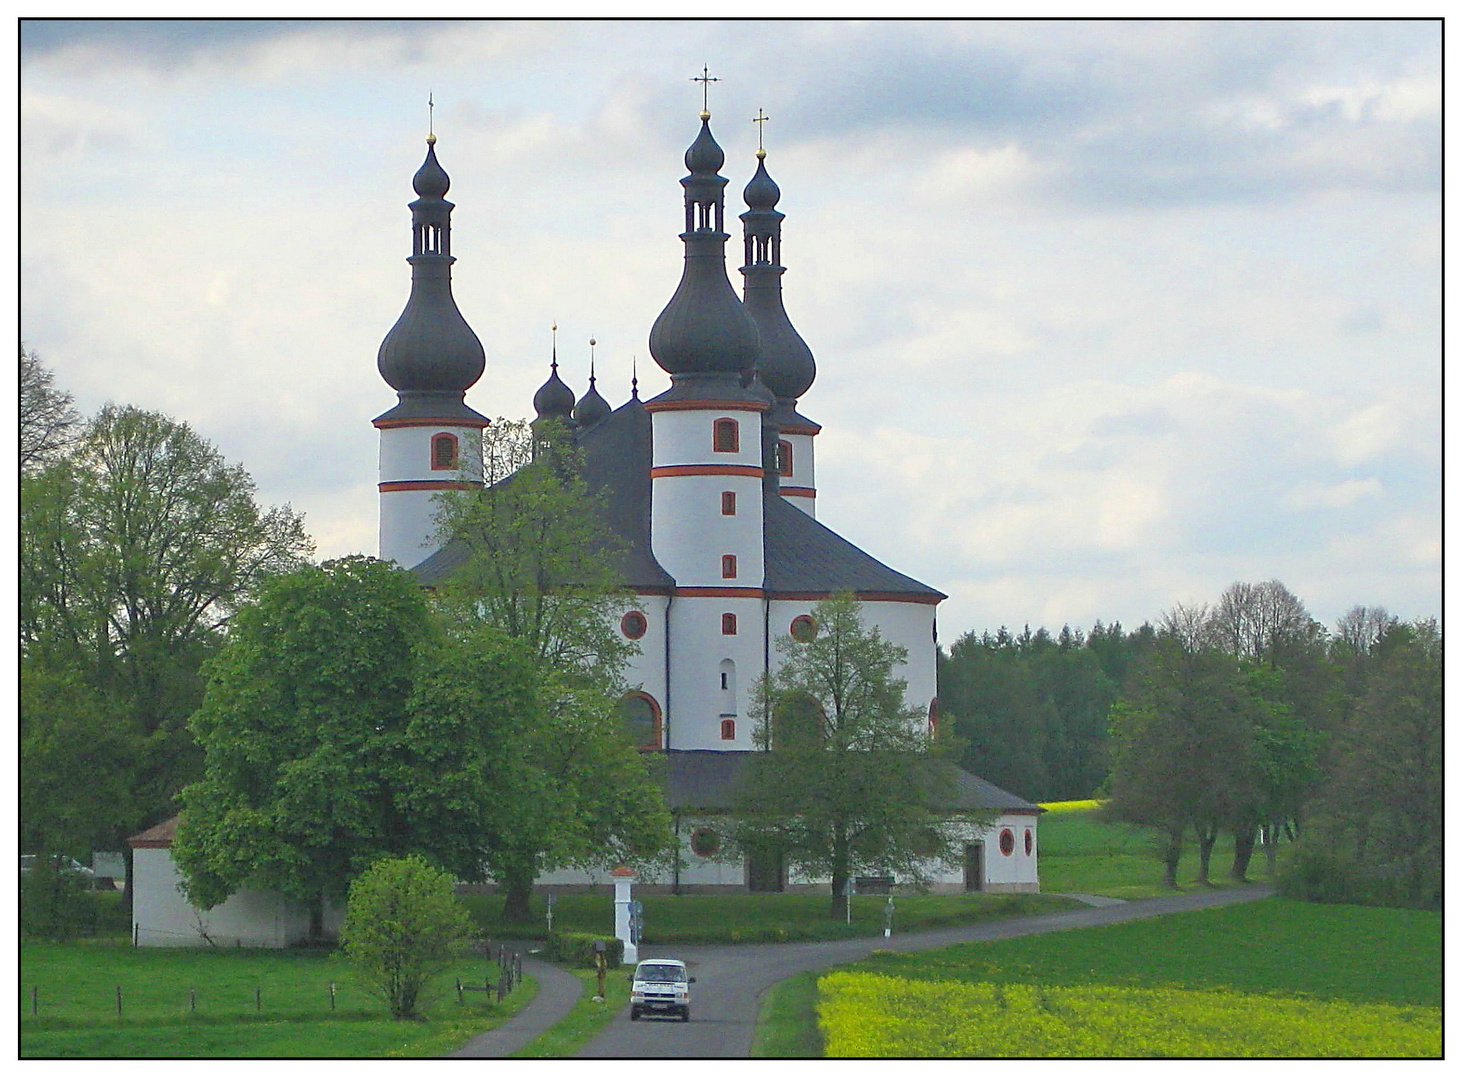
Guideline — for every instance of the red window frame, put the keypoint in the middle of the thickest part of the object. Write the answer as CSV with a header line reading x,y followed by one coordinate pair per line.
x,y
728,503
728,623
728,727
784,457
728,566
726,436
633,625
439,440
1007,842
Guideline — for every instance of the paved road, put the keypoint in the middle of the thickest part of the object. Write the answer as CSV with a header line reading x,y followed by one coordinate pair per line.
x,y
731,979
557,991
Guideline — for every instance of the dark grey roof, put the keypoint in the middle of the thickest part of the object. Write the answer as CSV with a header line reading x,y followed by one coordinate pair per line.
x,y
805,556
448,406
706,780
616,462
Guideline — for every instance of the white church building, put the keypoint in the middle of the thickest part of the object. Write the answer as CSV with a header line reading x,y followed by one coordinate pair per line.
x,y
711,489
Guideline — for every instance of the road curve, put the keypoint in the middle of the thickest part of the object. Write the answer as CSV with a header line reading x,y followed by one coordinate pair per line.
x,y
730,979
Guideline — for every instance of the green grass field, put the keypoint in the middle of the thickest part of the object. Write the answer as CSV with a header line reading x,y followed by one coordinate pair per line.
x,y
1080,853
75,987
1093,992
755,917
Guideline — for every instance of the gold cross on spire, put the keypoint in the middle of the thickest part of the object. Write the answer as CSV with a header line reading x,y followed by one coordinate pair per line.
x,y
431,121
760,120
705,78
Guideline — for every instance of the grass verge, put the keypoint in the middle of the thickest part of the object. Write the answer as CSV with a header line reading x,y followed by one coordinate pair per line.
x,y
583,1020
786,1023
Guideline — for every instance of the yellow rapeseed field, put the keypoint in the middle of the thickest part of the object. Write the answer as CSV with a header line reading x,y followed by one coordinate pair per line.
x,y
866,1015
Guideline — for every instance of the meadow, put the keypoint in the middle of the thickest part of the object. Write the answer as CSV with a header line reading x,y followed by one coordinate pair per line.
x,y
1274,978
233,1003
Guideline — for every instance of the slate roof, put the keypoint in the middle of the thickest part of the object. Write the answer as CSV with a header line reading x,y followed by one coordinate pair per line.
x,y
802,555
160,835
706,780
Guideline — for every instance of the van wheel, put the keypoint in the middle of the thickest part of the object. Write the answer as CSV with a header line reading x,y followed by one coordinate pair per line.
x,y
685,1015
634,1013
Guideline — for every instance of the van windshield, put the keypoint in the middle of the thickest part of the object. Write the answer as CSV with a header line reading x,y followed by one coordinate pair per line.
x,y
660,973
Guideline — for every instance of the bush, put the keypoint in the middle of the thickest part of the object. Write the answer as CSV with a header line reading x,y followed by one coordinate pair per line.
x,y
1311,872
403,927
55,904
577,949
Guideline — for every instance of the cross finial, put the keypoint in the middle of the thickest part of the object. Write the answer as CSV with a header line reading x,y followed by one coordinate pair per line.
x,y
760,120
554,330
634,376
592,343
705,78
431,120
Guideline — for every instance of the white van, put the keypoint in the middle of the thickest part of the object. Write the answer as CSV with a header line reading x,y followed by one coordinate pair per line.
x,y
660,986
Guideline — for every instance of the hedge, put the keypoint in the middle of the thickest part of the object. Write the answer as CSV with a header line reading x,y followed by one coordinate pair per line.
x,y
577,949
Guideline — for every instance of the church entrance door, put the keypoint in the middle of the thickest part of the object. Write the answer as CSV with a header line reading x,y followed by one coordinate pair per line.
x,y
975,867
766,869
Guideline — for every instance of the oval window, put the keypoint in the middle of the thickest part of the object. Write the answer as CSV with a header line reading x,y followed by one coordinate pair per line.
x,y
634,624
804,628
705,842
1007,842
1030,842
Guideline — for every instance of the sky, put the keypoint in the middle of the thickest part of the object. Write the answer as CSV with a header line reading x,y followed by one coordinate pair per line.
x,y
1107,315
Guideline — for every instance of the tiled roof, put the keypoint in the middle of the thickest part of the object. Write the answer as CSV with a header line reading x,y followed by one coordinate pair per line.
x,y
706,780
161,835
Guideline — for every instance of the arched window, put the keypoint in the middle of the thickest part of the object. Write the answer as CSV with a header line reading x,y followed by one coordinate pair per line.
x,y
639,714
728,727
728,566
784,458
633,625
728,622
444,451
726,436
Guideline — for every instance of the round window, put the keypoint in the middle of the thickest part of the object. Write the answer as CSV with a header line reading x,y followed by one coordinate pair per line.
x,y
1030,842
1007,842
634,624
804,628
705,842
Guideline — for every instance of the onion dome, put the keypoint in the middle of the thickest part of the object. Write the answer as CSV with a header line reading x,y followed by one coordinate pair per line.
x,y
431,356
591,407
785,363
554,399
703,330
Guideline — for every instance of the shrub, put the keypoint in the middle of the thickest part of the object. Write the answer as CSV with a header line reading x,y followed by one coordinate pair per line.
x,y
403,927
55,904
577,949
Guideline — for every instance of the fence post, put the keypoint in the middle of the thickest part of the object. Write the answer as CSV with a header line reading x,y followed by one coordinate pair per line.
x,y
459,992
332,995
257,1003
34,1004
192,999
136,933
119,1001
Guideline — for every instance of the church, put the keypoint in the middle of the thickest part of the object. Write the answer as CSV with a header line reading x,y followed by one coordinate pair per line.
x,y
710,487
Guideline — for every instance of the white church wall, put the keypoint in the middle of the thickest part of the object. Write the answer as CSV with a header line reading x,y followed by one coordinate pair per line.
x,y
699,650
645,670
803,478
691,534
408,524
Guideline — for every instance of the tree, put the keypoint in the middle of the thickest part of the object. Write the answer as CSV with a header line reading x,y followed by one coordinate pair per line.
x,y
1259,622
539,566
136,547
403,927
47,420
1180,745
304,734
850,781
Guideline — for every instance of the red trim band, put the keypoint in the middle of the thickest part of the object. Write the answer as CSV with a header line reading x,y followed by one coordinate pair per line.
x,y
429,485
723,406
899,598
798,429
428,421
800,492
705,470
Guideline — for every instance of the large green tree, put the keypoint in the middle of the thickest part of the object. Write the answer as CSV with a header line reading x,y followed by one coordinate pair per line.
x,y
304,729
137,544
48,421
851,782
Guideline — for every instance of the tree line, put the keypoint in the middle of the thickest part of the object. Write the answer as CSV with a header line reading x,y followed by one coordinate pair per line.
x,y
1245,716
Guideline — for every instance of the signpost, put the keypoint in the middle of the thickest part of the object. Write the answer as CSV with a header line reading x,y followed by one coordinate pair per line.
x,y
888,917
550,913
848,891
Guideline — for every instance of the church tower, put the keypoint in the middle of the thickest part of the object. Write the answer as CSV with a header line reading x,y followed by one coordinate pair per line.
x,y
785,365
706,478
431,441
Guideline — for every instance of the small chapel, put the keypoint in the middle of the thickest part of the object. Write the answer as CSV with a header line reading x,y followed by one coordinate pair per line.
x,y
711,489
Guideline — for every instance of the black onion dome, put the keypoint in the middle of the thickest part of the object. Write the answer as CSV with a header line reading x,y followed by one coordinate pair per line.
x,y
431,350
705,154
591,407
554,398
431,180
761,192
703,330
